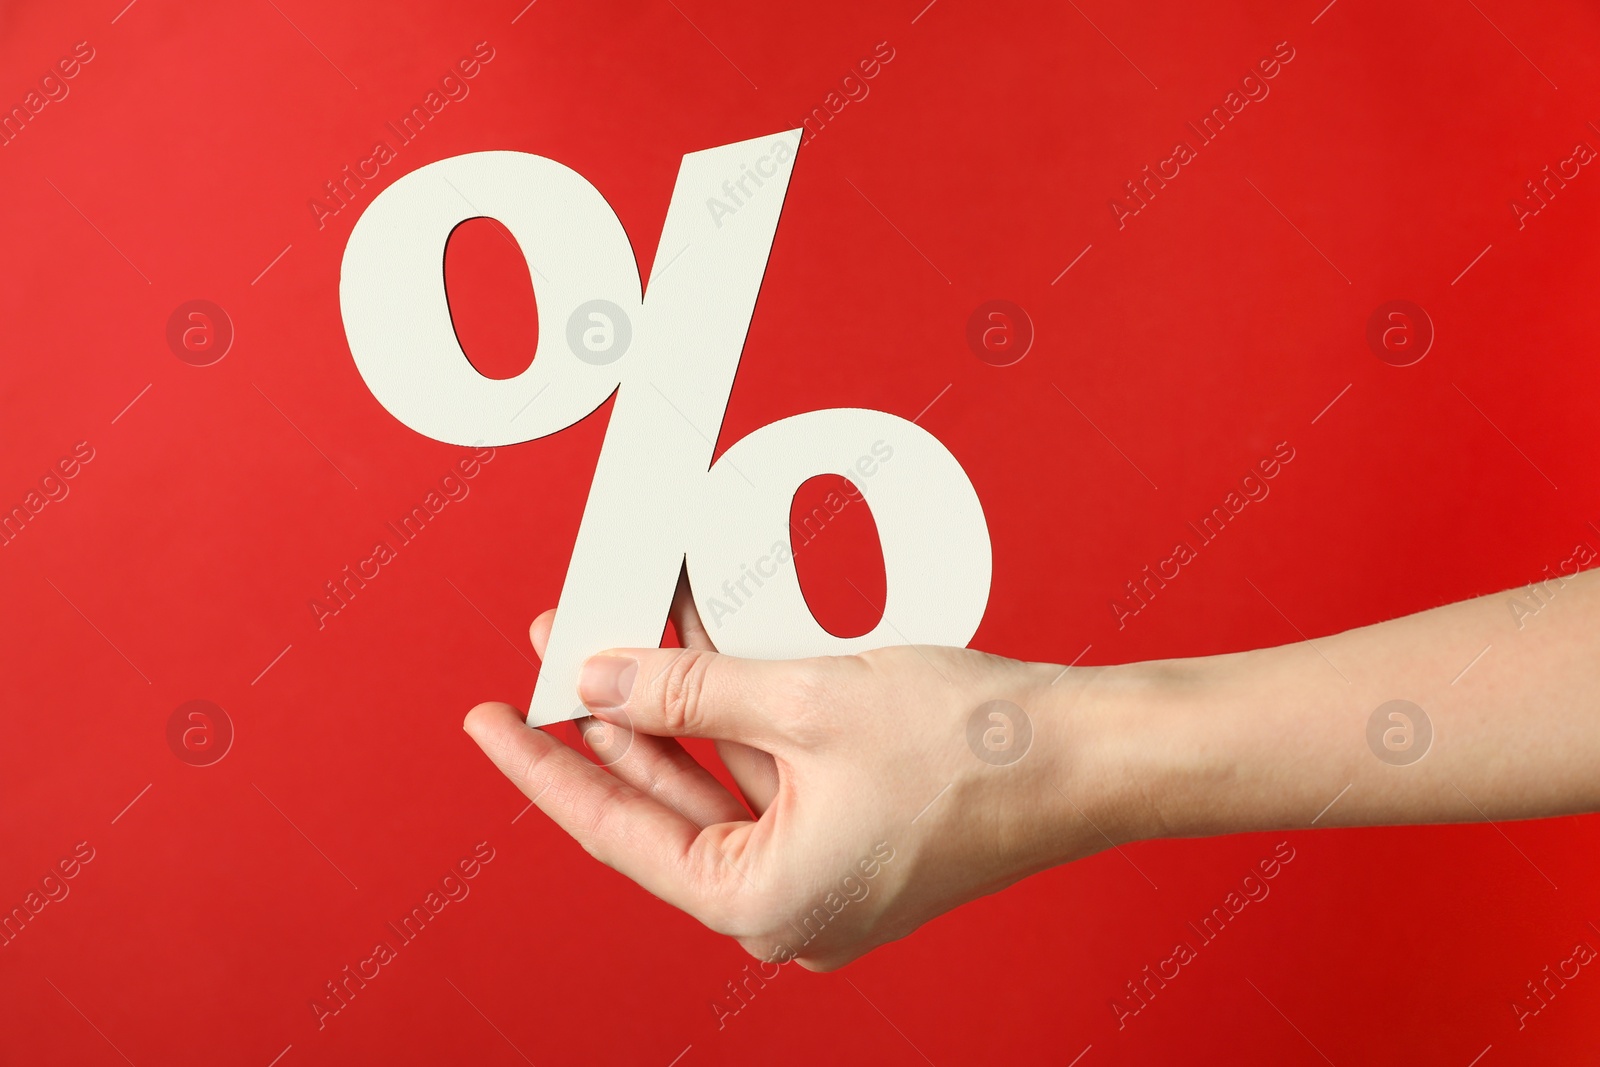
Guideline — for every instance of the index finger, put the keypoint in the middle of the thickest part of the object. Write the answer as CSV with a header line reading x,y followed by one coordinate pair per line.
x,y
640,837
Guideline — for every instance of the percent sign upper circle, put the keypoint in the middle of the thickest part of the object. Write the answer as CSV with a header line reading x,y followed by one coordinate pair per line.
x,y
671,372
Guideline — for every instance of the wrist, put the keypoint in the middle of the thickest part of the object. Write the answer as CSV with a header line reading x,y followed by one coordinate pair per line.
x,y
1236,743
1149,750
1132,752
1098,761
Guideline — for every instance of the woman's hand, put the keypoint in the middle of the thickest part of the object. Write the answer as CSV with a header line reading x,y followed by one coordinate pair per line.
x,y
889,787
874,812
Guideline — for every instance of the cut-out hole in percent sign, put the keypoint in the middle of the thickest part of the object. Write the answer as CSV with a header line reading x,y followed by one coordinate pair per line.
x,y
656,498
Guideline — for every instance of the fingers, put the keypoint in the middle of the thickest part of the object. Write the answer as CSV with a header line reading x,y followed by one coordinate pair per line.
x,y
659,767
637,835
684,615
681,692
753,769
539,632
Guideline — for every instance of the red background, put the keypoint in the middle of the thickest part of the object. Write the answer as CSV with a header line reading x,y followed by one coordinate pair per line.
x,y
1195,338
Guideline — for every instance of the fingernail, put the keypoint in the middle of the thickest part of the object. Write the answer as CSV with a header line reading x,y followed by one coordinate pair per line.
x,y
607,680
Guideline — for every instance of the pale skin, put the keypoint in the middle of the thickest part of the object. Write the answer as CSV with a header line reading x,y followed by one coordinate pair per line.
x,y
836,755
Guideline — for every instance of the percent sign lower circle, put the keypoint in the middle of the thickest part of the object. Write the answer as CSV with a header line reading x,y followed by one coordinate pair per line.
x,y
656,498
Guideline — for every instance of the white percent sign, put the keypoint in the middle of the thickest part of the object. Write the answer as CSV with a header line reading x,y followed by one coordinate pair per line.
x,y
656,499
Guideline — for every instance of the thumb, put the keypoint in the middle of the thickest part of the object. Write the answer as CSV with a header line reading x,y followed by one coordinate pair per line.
x,y
685,692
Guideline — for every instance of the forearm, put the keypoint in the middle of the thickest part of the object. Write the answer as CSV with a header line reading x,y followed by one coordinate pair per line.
x,y
1279,738
974,771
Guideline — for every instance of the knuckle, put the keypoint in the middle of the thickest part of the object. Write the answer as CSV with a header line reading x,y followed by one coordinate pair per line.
x,y
602,826
717,902
811,689
523,768
733,902
655,778
745,915
588,837
683,686
597,819
805,686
